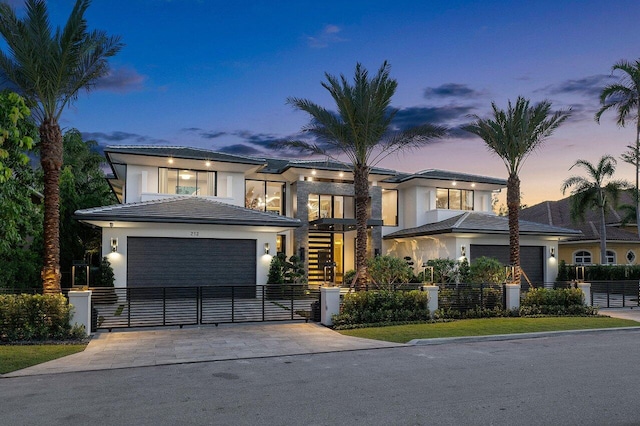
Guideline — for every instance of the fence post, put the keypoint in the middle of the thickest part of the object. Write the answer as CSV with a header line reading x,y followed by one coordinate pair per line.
x,y
512,296
586,290
432,290
329,304
81,301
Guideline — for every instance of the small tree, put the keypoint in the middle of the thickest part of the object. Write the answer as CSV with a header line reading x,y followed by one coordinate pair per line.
x,y
105,277
487,270
385,271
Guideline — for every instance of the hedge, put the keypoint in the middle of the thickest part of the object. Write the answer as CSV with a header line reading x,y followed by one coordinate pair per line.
x,y
384,306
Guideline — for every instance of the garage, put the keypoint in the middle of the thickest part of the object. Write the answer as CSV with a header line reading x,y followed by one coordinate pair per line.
x,y
189,262
531,258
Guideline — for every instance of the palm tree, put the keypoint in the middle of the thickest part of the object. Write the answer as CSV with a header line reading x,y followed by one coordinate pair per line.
x,y
361,130
624,97
591,192
512,135
49,69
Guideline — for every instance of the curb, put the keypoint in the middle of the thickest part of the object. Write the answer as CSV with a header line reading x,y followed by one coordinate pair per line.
x,y
519,336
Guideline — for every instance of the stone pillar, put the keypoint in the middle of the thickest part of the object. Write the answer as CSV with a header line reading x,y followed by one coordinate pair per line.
x,y
512,296
81,302
329,304
433,297
586,289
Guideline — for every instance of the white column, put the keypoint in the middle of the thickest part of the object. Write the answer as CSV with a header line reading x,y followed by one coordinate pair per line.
x,y
81,302
512,296
433,297
329,304
586,289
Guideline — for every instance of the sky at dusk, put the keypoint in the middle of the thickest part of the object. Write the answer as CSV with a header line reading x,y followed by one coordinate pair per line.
x,y
216,74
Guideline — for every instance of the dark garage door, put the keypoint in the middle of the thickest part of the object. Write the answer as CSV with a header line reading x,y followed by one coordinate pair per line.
x,y
531,258
187,262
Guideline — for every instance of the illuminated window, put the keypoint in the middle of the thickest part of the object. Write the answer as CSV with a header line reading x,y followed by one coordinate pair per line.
x,y
265,196
454,199
186,182
390,207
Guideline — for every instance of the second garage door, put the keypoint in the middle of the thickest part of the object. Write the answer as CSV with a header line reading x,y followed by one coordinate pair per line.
x,y
188,262
531,258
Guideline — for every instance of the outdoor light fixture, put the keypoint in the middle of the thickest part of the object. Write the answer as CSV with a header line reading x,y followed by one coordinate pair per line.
x,y
553,251
463,251
114,245
267,249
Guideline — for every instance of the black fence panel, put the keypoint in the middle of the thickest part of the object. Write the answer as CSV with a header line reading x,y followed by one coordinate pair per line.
x,y
464,297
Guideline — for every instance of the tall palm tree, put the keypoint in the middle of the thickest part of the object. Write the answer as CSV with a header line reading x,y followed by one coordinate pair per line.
x,y
593,193
362,131
624,97
49,68
513,135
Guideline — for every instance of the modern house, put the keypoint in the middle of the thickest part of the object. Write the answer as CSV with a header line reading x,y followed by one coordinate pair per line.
x,y
623,242
191,216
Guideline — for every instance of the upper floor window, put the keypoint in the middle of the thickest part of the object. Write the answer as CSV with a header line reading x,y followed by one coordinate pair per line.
x,y
330,206
390,207
582,257
186,182
611,257
265,196
454,199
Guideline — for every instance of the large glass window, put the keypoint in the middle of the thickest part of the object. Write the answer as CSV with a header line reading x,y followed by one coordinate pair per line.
x,y
265,196
330,206
582,257
186,182
389,207
454,199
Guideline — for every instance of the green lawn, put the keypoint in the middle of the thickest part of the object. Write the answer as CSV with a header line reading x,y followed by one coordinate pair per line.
x,y
16,357
484,327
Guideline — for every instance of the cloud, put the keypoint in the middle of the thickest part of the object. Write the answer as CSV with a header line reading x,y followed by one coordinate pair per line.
x,y
240,149
328,35
447,115
451,90
118,137
212,135
121,80
590,86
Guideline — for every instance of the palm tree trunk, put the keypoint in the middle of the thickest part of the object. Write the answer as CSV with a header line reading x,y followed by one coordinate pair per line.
x,y
603,236
51,161
361,193
513,206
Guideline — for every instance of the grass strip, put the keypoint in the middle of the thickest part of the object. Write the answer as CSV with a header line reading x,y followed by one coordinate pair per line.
x,y
17,357
485,327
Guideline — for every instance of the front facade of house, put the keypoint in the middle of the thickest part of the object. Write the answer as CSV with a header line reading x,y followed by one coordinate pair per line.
x,y
197,217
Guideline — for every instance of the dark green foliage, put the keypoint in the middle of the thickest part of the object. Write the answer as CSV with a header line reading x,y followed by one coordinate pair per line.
x,y
276,269
285,276
348,277
487,270
467,298
603,273
385,271
563,301
27,317
371,307
105,277
563,271
20,268
444,270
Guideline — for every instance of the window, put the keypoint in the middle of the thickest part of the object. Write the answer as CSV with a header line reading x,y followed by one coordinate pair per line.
x,y
390,207
186,182
454,199
330,206
265,196
281,244
611,257
582,258
631,257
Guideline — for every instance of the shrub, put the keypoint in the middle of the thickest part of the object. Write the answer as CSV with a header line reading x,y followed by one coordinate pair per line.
x,y
562,301
35,317
487,270
384,306
388,270
105,277
348,277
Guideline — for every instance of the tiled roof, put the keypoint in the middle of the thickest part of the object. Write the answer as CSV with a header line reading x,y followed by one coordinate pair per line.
x,y
448,176
473,222
557,213
182,152
186,210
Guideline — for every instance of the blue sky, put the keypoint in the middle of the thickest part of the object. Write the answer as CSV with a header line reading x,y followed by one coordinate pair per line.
x,y
216,74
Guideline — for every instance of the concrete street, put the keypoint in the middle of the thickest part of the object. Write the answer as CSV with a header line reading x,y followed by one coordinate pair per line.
x,y
581,379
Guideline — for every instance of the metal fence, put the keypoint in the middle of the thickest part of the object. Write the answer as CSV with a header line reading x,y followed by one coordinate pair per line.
x,y
611,294
464,297
179,306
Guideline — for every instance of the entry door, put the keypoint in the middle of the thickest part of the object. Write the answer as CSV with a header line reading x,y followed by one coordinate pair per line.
x,y
324,249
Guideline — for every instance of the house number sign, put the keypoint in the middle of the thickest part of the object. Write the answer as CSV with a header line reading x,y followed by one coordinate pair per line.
x,y
195,233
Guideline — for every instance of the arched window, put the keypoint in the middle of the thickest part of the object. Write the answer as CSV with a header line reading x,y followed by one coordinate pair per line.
x,y
582,257
611,257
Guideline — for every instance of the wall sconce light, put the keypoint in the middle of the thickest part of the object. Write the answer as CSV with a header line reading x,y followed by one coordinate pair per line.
x,y
114,245
267,249
463,251
553,252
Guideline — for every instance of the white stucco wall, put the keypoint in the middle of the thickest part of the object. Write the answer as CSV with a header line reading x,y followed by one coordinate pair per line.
x,y
140,179
122,231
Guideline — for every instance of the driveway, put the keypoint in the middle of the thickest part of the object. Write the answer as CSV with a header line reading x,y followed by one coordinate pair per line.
x,y
149,347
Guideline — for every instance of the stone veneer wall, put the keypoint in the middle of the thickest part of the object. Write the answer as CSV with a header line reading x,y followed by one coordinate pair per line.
x,y
302,189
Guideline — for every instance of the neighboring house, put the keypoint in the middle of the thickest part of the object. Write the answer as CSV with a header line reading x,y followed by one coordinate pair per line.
x,y
198,217
623,243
